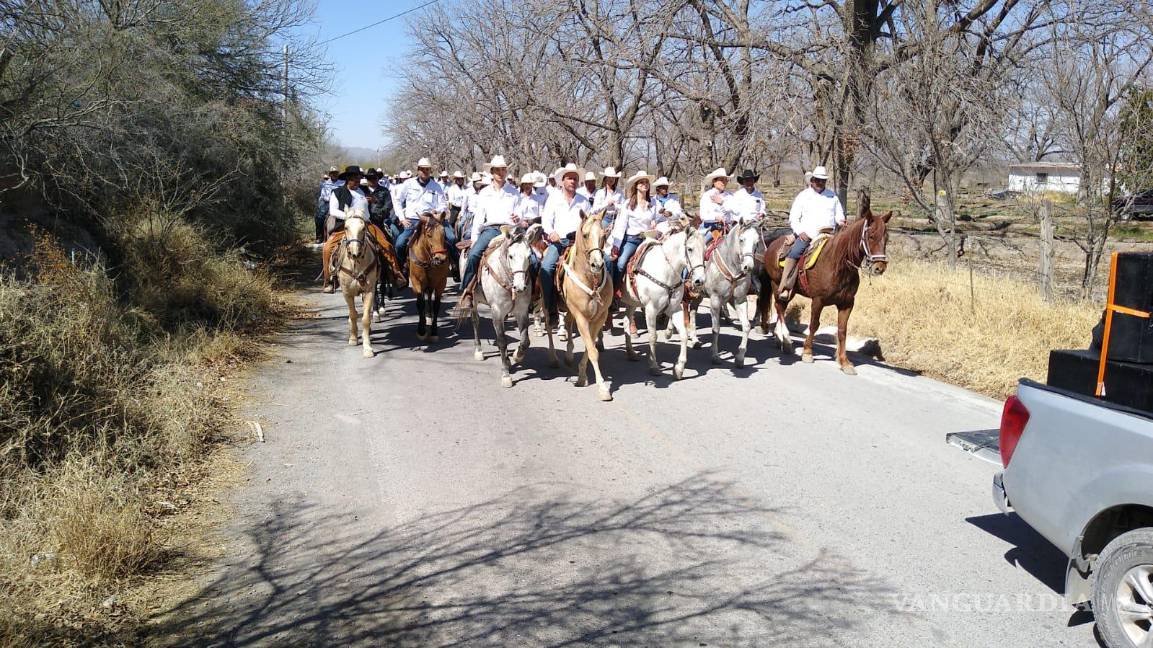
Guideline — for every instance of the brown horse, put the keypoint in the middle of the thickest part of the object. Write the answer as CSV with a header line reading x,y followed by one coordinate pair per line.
x,y
428,270
586,292
832,281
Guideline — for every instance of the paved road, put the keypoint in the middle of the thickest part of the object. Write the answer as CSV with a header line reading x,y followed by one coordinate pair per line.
x,y
409,500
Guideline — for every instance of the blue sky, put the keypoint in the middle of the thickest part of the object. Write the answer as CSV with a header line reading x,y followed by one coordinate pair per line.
x,y
358,103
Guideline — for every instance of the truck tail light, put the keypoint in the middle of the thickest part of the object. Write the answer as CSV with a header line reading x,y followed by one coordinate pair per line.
x,y
1013,419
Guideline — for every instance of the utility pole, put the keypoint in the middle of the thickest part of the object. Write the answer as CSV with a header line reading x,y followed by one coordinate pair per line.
x,y
284,128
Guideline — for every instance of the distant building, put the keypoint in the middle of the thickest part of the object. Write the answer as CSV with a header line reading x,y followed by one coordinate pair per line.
x,y
1062,177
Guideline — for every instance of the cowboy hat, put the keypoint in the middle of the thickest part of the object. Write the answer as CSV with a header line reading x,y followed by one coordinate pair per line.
x,y
748,174
610,172
475,177
716,173
443,173
458,174
567,169
541,179
820,173
333,169
590,177
497,163
528,178
351,170
423,163
661,182
636,177
405,175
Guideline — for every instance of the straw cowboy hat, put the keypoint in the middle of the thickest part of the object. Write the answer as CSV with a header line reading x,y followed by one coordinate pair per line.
x,y
528,178
541,179
476,177
498,162
458,174
405,175
820,173
333,169
610,172
590,177
637,177
350,171
570,168
716,173
423,163
661,182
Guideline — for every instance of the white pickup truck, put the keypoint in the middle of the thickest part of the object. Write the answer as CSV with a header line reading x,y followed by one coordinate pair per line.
x,y
1080,472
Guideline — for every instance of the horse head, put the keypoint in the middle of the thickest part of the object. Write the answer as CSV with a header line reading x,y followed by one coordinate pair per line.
x,y
432,235
354,229
748,237
695,255
590,241
518,254
874,240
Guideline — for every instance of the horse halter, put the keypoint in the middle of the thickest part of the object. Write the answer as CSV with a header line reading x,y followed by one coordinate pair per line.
x,y
347,240
869,257
427,263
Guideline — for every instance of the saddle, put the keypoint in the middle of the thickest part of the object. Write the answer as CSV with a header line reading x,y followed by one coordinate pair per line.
x,y
809,259
635,261
716,237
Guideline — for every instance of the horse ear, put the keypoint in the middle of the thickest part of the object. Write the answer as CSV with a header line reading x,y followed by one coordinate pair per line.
x,y
887,216
583,215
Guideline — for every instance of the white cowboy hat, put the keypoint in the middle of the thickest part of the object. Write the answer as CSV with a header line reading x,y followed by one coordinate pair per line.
x,y
541,179
716,173
590,177
610,172
486,177
820,173
405,175
636,177
497,163
331,169
661,182
570,168
528,178
475,177
458,174
423,163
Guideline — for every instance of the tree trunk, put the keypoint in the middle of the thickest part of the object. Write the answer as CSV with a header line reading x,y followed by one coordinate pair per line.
x,y
1047,232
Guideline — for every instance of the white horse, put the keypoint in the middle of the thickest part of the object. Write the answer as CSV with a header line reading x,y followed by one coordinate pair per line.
x,y
504,286
358,269
656,286
729,279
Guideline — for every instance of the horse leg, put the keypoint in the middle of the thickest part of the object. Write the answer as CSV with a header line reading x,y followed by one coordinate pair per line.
x,y
691,322
502,346
743,318
369,296
782,330
629,351
552,359
522,320
420,326
352,317
475,316
651,325
568,357
432,336
814,323
716,309
592,354
683,358
843,313
765,297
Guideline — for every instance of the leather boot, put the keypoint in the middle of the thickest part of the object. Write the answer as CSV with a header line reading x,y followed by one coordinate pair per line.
x,y
788,278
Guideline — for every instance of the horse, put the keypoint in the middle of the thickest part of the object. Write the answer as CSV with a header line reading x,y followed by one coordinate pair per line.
x,y
653,282
428,270
585,290
729,278
832,281
505,288
358,270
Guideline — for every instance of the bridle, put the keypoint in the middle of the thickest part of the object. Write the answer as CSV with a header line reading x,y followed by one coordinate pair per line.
x,y
361,277
723,267
869,258
511,274
428,262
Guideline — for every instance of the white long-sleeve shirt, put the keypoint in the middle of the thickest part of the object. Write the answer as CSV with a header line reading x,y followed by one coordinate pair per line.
x,y
711,212
359,201
747,207
604,197
670,203
455,194
416,199
812,212
634,222
495,206
528,208
562,216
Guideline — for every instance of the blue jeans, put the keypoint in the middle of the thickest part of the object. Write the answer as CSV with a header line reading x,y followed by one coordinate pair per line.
x,y
403,238
477,251
548,272
798,249
628,248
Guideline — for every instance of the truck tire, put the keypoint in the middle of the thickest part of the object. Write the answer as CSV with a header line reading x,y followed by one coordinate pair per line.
x,y
1123,590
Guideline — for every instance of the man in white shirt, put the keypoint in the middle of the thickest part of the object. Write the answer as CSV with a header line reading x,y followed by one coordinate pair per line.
x,y
815,211
561,220
345,198
589,187
716,208
327,184
748,202
471,203
496,206
668,205
528,207
455,193
420,195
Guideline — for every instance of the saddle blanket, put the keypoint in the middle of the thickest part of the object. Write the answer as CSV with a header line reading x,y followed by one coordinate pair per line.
x,y
813,253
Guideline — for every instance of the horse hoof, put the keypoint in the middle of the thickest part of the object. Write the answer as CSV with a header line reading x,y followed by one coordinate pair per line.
x,y
352,341
740,361
679,372
807,358
603,394
506,381
478,356
518,358
582,382
655,371
368,353
849,370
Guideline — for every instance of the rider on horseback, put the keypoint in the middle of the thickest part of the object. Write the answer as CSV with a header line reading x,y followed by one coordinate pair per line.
x,y
716,208
748,202
420,195
815,211
344,200
497,204
668,205
561,220
638,215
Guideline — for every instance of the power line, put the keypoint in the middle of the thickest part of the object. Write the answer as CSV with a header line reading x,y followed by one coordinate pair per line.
x,y
380,22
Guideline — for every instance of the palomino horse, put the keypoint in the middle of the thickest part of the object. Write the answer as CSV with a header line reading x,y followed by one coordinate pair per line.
x,y
654,283
728,282
358,269
586,292
428,270
832,281
505,287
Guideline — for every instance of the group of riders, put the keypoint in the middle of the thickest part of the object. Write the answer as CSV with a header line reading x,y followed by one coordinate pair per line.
x,y
474,210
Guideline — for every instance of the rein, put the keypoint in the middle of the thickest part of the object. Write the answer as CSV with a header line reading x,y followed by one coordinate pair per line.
x,y
427,262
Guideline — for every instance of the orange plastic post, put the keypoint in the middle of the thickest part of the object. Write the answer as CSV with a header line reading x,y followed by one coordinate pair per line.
x,y
1108,326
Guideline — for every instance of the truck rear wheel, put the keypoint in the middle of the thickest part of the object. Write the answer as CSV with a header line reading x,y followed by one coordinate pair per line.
x,y
1123,590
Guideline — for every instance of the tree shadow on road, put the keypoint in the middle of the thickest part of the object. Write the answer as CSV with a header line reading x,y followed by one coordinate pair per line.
x,y
690,564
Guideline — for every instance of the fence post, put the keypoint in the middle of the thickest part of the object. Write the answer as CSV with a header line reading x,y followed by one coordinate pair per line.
x,y
1045,213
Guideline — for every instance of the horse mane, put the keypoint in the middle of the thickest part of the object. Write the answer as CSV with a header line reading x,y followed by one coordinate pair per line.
x,y
846,243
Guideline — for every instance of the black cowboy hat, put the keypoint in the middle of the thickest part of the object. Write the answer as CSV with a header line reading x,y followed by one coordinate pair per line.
x,y
748,174
350,171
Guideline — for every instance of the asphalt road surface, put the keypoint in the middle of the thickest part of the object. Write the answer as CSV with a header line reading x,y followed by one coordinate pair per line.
x,y
410,500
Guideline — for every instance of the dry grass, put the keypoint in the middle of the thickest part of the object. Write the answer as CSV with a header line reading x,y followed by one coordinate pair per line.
x,y
984,337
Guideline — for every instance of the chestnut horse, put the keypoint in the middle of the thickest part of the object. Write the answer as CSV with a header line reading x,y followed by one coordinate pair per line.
x,y
428,270
832,281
